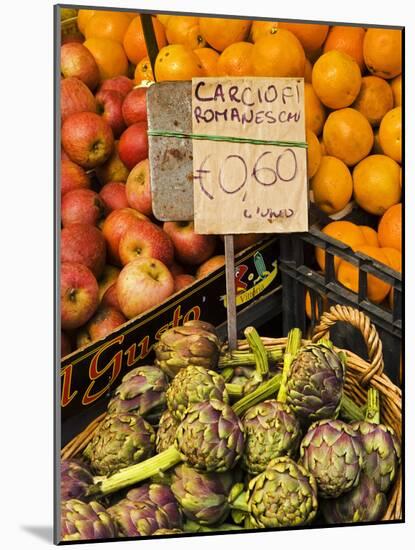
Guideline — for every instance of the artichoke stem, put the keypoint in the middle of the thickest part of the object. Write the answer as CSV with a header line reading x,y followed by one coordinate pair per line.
x,y
264,391
293,345
193,527
137,472
235,391
227,374
247,358
373,406
259,351
349,410
328,343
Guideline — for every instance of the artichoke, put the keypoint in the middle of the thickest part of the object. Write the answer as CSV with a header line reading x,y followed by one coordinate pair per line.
x,y
168,532
194,385
146,509
121,440
363,503
190,344
85,521
271,430
241,375
284,494
202,496
332,452
166,432
75,479
315,383
142,390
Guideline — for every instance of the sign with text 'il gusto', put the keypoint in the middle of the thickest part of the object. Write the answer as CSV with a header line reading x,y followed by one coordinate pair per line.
x,y
249,155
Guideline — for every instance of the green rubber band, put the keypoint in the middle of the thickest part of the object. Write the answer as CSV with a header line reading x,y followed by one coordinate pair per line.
x,y
165,133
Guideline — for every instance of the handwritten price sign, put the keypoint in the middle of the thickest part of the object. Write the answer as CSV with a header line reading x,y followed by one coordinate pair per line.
x,y
249,156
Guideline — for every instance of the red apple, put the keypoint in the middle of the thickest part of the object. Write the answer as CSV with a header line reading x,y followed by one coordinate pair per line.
x,y
70,38
176,269
82,206
120,83
105,321
138,188
108,277
114,226
133,145
110,297
109,106
72,177
66,347
76,97
83,244
79,295
190,247
114,196
144,239
87,139
77,61
113,169
143,284
210,265
134,108
182,281
82,338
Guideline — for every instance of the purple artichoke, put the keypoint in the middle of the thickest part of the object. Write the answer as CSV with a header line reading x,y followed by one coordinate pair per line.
x,y
85,521
75,479
166,432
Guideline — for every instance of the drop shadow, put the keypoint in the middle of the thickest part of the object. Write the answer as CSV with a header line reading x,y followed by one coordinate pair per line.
x,y
41,532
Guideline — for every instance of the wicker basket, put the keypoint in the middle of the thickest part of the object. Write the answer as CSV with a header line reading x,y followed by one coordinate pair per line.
x,y
360,375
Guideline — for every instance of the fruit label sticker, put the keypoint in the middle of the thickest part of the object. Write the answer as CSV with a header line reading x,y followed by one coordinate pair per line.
x,y
249,155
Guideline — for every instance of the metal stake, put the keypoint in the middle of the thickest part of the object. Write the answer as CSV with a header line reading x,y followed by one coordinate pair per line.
x,y
230,291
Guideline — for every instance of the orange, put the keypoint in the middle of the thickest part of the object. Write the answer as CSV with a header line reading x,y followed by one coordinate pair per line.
x,y
348,135
336,79
308,71
108,24
279,54
323,148
396,85
184,30
176,62
83,17
332,185
109,56
347,40
394,258
163,18
315,113
382,52
348,274
143,71
376,184
222,32
236,60
134,43
376,149
208,57
390,228
313,153
311,35
345,232
390,134
371,237
317,314
375,99
261,28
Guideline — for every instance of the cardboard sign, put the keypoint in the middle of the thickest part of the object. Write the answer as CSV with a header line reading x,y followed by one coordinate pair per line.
x,y
243,181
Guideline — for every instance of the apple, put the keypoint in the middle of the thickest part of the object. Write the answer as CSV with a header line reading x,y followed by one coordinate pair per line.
x,y
143,284
134,108
73,177
74,37
82,206
114,226
76,97
176,269
110,297
210,265
83,244
121,84
79,295
138,188
66,347
105,320
114,196
113,169
190,247
108,277
182,281
133,146
77,61
109,106
82,338
87,139
144,239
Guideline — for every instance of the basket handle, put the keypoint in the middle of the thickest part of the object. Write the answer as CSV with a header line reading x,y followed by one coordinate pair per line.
x,y
360,321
